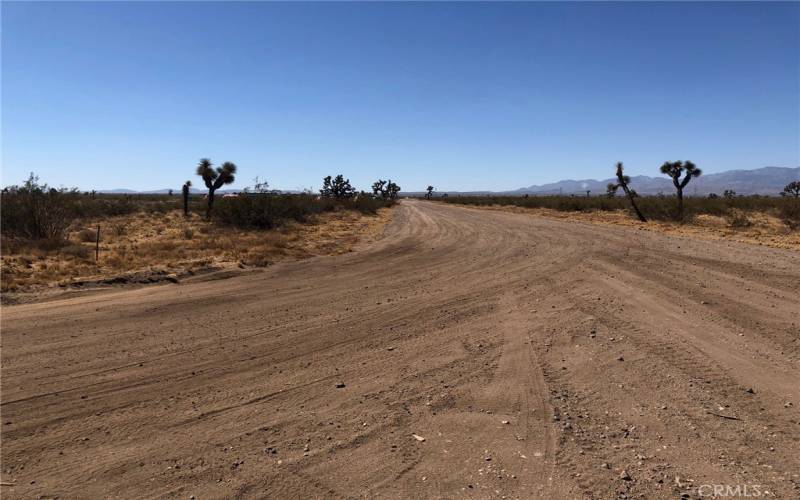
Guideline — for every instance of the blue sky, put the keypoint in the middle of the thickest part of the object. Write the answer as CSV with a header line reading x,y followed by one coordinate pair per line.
x,y
463,96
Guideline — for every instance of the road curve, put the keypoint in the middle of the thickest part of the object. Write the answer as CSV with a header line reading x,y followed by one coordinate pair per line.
x,y
536,358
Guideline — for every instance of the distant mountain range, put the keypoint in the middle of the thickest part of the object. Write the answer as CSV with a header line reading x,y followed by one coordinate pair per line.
x,y
767,180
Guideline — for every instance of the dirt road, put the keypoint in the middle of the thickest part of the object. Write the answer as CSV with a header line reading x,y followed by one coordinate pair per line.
x,y
536,358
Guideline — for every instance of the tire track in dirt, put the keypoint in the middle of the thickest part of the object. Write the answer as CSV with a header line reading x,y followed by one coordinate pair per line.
x,y
456,321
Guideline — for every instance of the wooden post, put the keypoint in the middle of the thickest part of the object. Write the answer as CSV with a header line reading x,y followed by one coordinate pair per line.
x,y
97,245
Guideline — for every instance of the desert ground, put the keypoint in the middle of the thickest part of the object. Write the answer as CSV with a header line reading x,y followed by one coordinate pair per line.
x,y
464,353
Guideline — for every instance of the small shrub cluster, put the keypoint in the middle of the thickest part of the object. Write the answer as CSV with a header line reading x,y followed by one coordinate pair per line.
x,y
35,211
738,219
790,213
267,211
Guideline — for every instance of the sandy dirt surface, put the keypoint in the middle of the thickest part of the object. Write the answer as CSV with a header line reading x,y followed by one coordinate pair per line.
x,y
763,229
530,357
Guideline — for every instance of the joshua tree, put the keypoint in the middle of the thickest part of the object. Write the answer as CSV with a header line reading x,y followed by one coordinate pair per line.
x,y
792,189
215,178
391,190
327,190
387,190
185,191
429,195
729,193
379,188
622,182
338,187
675,169
169,192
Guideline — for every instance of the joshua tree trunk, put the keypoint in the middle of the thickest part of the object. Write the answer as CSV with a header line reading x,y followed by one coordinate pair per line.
x,y
633,203
210,202
680,203
186,201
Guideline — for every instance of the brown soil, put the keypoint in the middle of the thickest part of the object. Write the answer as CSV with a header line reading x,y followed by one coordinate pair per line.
x,y
537,358
761,229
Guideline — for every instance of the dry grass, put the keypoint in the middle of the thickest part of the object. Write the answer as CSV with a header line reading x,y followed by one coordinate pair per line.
x,y
760,229
174,244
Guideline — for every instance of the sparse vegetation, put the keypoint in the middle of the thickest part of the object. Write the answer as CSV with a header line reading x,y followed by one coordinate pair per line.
x,y
267,211
135,241
652,207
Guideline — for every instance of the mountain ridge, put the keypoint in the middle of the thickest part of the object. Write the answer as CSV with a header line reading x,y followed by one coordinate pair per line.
x,y
765,180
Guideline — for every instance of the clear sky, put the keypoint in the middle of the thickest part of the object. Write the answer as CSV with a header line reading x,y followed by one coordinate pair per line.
x,y
464,96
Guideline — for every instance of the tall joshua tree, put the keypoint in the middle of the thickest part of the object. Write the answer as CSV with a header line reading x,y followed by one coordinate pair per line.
x,y
429,194
215,178
622,182
675,169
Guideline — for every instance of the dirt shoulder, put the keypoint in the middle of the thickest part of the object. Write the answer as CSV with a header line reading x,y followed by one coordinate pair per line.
x,y
764,229
145,248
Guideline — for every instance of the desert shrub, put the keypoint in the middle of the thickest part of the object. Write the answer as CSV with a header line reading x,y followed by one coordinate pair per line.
x,y
267,211
87,235
790,213
365,204
188,233
738,219
35,211
77,251
119,229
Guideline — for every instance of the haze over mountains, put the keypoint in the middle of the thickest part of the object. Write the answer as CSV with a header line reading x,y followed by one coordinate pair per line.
x,y
766,181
